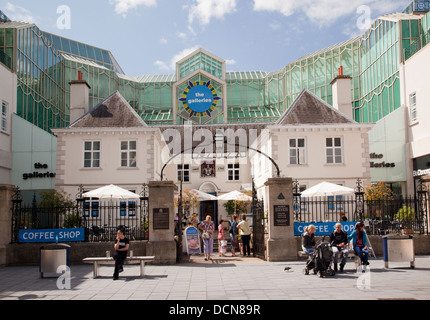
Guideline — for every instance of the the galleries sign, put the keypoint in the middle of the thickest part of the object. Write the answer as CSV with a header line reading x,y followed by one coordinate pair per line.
x,y
199,99
38,174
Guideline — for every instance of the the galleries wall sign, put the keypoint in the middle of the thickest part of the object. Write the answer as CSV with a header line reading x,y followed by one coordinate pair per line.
x,y
199,99
41,172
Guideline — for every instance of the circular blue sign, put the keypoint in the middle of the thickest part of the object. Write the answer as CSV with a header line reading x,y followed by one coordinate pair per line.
x,y
200,98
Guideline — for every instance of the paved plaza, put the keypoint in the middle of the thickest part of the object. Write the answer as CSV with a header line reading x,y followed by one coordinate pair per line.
x,y
222,279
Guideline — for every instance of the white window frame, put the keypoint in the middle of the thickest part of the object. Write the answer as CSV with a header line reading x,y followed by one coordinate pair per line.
x,y
183,170
129,153
300,157
4,125
92,152
233,171
333,148
413,111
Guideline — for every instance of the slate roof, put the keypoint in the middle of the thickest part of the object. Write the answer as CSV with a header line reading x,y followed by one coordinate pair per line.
x,y
113,112
309,109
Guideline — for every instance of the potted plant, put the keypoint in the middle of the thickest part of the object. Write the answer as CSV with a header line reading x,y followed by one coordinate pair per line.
x,y
405,215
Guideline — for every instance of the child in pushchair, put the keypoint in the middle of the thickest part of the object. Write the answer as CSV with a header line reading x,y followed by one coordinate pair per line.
x,y
320,260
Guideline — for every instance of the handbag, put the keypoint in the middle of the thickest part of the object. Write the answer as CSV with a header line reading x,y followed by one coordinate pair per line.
x,y
205,235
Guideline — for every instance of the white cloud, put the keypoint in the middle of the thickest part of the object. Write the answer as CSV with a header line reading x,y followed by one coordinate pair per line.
x,y
163,40
326,12
123,6
181,35
230,62
171,65
204,10
18,13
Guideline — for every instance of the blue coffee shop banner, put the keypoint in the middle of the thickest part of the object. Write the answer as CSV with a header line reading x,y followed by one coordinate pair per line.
x,y
51,235
323,228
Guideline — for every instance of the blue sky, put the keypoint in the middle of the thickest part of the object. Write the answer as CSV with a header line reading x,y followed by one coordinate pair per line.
x,y
148,36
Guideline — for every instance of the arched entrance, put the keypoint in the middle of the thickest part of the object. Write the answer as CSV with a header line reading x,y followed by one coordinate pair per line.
x,y
209,207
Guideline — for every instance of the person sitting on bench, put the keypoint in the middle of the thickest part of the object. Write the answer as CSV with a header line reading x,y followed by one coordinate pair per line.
x,y
339,245
308,239
121,247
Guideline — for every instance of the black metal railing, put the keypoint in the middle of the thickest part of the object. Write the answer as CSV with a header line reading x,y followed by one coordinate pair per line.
x,y
99,221
395,214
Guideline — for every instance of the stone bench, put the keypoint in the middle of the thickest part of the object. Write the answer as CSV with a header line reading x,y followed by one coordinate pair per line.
x,y
97,261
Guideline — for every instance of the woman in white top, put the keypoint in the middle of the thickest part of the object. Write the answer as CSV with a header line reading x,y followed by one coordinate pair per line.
x,y
245,235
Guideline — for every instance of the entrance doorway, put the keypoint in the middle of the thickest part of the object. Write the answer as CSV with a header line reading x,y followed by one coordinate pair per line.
x,y
209,208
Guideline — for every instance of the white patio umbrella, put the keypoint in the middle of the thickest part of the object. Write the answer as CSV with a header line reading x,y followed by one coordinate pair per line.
x,y
111,192
234,196
203,196
326,189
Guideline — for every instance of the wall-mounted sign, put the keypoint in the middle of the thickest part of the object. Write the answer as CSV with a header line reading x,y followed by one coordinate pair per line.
x,y
51,235
421,166
199,99
382,164
323,228
160,218
37,174
281,215
422,5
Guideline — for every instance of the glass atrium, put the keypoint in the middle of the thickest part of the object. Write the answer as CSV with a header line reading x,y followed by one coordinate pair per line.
x,y
45,64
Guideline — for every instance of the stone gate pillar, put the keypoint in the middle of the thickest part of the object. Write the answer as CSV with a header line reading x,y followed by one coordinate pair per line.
x,y
281,243
6,194
161,242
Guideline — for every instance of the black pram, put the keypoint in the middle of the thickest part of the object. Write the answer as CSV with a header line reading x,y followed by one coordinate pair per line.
x,y
320,260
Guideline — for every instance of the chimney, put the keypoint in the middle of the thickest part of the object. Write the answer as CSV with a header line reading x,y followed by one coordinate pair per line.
x,y
79,97
342,99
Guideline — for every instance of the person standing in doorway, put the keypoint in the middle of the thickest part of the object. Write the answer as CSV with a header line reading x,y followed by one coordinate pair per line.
x,y
121,247
245,235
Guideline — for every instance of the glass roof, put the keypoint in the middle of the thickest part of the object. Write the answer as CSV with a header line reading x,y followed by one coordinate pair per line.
x,y
81,50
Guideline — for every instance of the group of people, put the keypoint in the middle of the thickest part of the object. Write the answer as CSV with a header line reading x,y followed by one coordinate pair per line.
x,y
237,229
339,242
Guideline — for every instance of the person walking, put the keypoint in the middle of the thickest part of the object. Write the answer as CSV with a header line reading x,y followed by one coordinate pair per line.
x,y
208,228
221,237
359,243
121,247
245,235
339,246
233,235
